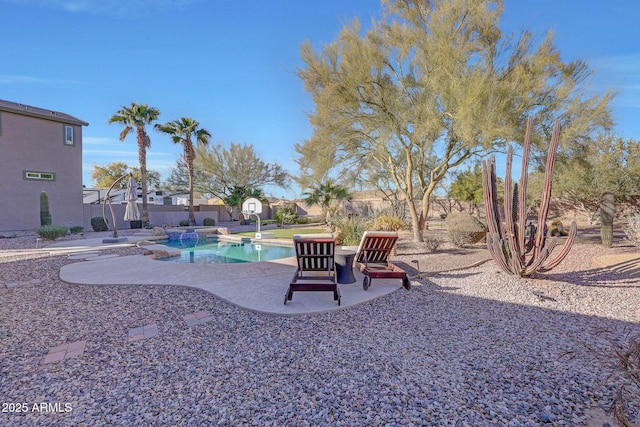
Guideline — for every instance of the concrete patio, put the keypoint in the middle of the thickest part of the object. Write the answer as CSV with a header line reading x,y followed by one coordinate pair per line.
x,y
257,286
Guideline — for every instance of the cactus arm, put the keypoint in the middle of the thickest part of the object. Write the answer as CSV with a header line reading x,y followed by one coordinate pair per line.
x,y
514,259
497,253
546,193
564,251
524,177
490,194
535,263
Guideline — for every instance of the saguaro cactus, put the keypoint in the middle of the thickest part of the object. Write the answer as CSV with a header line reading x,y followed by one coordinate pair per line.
x,y
45,216
511,248
607,213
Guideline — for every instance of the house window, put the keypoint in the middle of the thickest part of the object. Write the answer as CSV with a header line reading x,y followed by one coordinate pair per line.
x,y
40,176
68,135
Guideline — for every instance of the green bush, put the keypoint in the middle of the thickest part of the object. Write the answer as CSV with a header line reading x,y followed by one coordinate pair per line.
x,y
52,232
349,229
209,222
98,224
184,223
286,214
135,224
465,229
76,229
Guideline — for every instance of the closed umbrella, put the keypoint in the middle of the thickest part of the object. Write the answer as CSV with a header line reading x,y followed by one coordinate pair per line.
x,y
131,212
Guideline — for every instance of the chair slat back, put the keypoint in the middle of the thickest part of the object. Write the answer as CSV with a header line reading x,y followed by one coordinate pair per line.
x,y
376,246
315,254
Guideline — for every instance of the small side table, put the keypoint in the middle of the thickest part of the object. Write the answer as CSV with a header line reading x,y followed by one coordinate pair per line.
x,y
344,265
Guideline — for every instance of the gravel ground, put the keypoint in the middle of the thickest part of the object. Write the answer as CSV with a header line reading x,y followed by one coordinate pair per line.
x,y
472,347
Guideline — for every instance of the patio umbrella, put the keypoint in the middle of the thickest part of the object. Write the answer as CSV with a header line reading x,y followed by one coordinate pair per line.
x,y
131,212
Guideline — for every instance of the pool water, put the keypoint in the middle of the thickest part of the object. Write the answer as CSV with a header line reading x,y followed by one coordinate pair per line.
x,y
208,251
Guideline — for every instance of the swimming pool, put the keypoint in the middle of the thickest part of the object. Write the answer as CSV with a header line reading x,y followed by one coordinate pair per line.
x,y
214,251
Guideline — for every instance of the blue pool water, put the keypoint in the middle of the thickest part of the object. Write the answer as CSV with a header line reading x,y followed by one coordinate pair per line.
x,y
207,251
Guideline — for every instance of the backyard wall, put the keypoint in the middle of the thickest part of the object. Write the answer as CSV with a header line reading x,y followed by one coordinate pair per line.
x,y
160,215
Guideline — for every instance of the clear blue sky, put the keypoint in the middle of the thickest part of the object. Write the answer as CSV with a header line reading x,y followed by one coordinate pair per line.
x,y
230,64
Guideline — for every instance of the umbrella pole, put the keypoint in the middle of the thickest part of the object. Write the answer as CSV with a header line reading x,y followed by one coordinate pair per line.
x,y
107,199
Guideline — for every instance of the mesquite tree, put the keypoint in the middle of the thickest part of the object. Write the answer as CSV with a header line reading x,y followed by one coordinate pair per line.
x,y
519,248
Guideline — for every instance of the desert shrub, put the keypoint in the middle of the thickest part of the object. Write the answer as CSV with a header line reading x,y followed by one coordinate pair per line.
x,y
304,220
632,230
432,243
184,223
465,229
52,232
388,222
349,229
76,229
286,214
209,222
557,229
98,224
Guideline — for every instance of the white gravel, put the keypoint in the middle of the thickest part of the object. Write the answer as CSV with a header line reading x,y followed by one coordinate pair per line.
x,y
474,347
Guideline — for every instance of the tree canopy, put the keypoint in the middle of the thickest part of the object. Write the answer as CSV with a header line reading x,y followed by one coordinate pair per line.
x,y
611,163
221,171
467,187
104,176
431,85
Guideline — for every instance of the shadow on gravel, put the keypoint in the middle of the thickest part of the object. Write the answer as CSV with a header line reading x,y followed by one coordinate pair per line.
x,y
623,277
455,274
412,251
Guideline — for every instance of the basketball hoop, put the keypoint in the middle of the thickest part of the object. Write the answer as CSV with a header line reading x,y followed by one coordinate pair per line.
x,y
250,207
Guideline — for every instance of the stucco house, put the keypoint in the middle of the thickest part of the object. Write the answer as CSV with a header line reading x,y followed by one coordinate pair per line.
x,y
40,150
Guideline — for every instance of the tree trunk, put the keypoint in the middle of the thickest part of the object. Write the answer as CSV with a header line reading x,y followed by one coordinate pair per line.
x,y
192,217
142,158
416,221
188,158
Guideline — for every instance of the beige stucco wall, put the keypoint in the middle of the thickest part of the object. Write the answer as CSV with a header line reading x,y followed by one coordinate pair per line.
x,y
35,144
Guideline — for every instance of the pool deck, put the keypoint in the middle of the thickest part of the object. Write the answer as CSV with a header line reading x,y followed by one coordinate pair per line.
x,y
257,286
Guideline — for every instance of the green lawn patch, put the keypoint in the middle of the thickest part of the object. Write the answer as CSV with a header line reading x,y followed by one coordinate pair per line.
x,y
285,233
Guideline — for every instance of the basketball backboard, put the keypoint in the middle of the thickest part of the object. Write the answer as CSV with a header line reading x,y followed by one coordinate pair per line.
x,y
252,206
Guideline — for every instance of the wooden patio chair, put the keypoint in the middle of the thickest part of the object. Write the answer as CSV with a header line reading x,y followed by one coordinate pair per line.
x,y
373,257
316,267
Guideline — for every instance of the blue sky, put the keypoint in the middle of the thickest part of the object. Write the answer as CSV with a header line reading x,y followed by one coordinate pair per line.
x,y
230,64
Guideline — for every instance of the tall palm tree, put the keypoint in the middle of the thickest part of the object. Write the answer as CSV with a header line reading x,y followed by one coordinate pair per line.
x,y
137,116
184,131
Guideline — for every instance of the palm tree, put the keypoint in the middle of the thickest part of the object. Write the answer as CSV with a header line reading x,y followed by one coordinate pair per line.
x,y
182,131
137,116
327,195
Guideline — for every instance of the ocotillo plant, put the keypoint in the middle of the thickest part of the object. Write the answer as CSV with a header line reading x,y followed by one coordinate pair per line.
x,y
45,216
607,213
511,248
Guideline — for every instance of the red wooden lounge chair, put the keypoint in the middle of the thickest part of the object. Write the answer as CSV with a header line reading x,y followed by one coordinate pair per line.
x,y
316,267
374,260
